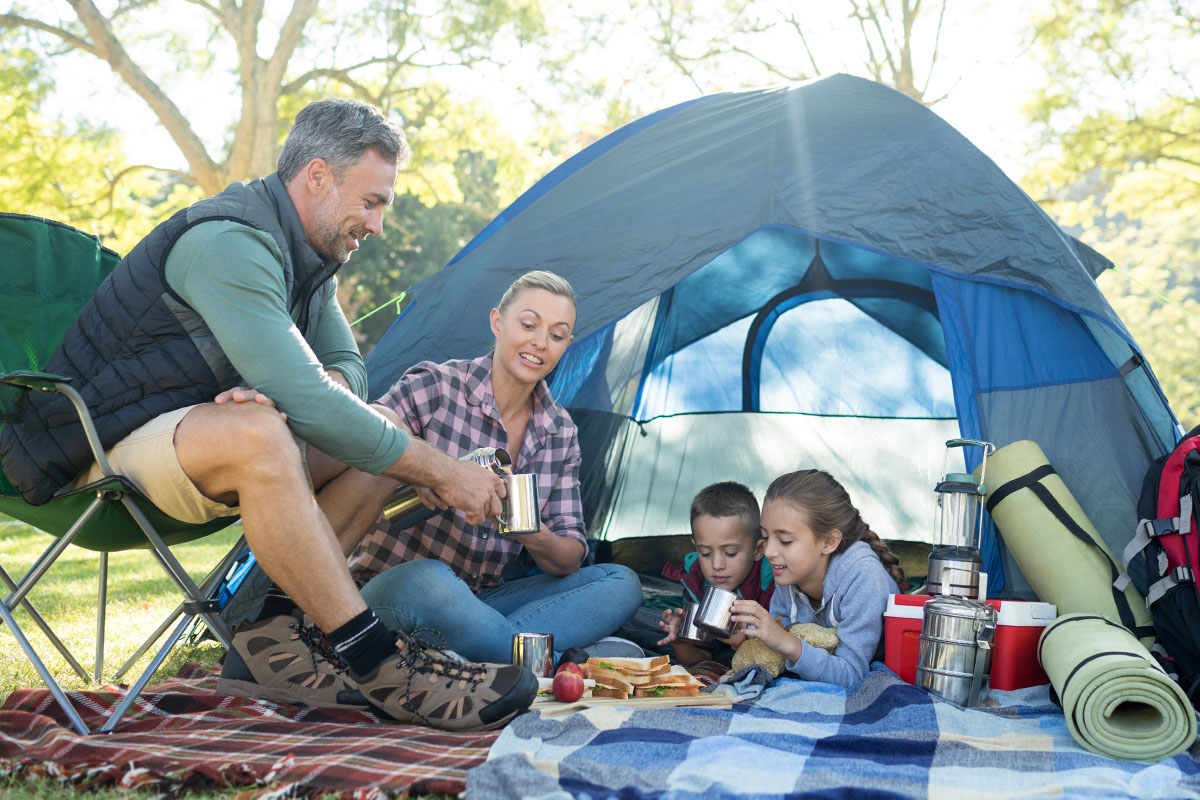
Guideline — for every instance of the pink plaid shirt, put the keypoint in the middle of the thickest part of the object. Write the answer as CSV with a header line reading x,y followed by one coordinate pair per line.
x,y
451,406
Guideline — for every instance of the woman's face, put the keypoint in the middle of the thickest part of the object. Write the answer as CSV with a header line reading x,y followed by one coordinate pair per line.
x,y
532,333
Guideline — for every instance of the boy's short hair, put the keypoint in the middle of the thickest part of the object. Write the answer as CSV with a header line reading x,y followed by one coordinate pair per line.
x,y
728,499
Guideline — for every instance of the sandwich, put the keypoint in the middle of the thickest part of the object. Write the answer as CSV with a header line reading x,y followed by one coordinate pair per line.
x,y
611,686
676,682
633,671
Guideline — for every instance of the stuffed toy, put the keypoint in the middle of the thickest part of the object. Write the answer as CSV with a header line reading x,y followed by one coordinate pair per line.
x,y
753,651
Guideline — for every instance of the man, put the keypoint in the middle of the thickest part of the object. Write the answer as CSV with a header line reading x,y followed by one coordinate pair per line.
x,y
224,380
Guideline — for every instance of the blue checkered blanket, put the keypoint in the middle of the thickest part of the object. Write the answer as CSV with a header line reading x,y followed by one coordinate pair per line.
x,y
886,739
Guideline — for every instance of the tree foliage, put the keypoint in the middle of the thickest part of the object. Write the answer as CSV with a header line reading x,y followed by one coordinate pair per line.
x,y
1120,123
385,53
71,173
726,44
401,57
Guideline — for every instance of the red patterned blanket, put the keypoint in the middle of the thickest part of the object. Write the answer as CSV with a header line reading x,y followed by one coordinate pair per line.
x,y
181,734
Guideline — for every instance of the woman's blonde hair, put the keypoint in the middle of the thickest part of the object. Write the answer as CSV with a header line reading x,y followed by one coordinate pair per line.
x,y
826,506
537,279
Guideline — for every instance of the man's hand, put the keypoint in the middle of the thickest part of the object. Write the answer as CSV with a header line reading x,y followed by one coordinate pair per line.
x,y
244,394
471,488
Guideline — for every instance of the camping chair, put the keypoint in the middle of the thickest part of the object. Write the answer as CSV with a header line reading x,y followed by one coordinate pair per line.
x,y
48,271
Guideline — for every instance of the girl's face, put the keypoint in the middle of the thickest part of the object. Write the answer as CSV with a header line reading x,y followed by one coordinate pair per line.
x,y
727,553
532,334
796,555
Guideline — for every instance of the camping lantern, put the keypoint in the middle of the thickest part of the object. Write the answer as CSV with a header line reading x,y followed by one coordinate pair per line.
x,y
955,564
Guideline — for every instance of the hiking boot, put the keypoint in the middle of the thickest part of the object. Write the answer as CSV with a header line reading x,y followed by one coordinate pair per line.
x,y
420,684
285,660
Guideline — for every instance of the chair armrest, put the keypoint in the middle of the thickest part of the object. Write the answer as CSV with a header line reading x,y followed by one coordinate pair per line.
x,y
49,382
39,381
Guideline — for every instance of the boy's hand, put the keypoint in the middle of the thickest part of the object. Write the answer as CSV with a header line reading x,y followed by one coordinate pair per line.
x,y
670,623
736,638
769,631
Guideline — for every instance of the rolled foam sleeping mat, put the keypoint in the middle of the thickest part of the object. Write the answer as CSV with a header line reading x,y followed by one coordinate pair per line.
x,y
1117,700
1056,546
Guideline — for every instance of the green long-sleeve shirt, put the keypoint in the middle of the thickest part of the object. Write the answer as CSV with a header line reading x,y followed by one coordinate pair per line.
x,y
232,275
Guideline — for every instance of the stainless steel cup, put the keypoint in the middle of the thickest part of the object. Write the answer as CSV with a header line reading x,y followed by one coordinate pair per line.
x,y
534,651
521,511
715,612
688,630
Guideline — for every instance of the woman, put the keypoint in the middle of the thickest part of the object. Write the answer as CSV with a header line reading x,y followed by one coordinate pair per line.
x,y
451,576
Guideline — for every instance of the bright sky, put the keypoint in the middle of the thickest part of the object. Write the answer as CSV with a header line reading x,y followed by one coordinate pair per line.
x,y
979,62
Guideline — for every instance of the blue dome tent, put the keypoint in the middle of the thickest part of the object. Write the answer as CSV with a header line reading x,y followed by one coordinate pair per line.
x,y
823,275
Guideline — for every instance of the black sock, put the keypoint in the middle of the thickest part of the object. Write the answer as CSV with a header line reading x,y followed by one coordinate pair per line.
x,y
363,643
275,604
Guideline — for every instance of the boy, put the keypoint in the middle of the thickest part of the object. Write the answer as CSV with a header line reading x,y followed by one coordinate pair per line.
x,y
729,554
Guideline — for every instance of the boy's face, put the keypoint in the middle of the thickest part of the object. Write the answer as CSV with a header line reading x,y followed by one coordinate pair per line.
x,y
727,551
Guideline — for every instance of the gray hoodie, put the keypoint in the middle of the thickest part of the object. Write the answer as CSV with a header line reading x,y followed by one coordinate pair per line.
x,y
854,597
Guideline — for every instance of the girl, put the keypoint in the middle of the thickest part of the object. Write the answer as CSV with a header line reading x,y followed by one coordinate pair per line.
x,y
831,569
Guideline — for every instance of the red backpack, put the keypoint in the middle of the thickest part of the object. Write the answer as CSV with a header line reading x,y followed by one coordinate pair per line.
x,y
1166,541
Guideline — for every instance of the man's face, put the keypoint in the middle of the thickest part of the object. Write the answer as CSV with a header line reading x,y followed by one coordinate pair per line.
x,y
349,209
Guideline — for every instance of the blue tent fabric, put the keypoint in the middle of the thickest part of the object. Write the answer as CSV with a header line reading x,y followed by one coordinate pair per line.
x,y
825,275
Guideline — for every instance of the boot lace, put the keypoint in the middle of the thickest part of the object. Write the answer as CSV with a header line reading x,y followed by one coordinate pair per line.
x,y
424,650
320,647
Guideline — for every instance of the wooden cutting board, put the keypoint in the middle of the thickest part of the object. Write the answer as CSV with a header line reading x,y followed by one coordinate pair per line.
x,y
702,700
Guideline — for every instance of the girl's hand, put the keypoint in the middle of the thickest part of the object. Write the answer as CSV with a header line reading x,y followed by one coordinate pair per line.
x,y
670,623
765,629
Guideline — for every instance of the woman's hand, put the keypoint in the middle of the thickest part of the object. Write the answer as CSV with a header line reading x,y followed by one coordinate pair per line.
x,y
670,621
760,625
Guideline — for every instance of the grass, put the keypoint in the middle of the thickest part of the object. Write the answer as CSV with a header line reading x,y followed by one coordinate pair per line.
x,y
139,597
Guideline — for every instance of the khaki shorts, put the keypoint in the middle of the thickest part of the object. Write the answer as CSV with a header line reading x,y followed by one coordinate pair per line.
x,y
147,458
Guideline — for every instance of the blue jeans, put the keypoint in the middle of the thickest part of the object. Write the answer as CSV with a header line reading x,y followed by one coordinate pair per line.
x,y
578,609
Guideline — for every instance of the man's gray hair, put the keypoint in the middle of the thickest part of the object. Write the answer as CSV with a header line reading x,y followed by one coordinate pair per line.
x,y
340,131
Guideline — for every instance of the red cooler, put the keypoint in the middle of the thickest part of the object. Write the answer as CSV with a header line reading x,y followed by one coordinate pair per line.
x,y
1014,649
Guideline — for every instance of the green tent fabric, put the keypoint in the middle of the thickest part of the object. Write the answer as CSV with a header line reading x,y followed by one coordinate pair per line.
x,y
1117,700
1054,543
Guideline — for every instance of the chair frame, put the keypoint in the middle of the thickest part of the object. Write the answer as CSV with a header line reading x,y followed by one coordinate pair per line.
x,y
199,599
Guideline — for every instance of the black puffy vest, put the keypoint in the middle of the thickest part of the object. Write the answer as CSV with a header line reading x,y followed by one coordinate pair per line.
x,y
138,351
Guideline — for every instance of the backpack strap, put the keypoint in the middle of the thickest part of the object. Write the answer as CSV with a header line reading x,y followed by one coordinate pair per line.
x,y
1167,583
1149,529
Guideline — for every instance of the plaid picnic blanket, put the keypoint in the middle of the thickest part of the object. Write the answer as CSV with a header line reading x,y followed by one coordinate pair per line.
x,y
181,734
886,739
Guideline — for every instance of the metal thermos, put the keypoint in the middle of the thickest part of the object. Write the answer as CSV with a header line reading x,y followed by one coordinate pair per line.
x,y
955,564
955,656
404,507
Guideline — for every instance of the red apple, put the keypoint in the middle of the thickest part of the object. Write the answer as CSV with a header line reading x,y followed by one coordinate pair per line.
x,y
567,687
570,666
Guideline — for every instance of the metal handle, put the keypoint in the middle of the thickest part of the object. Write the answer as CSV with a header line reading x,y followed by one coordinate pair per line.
x,y
988,449
991,448
985,630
